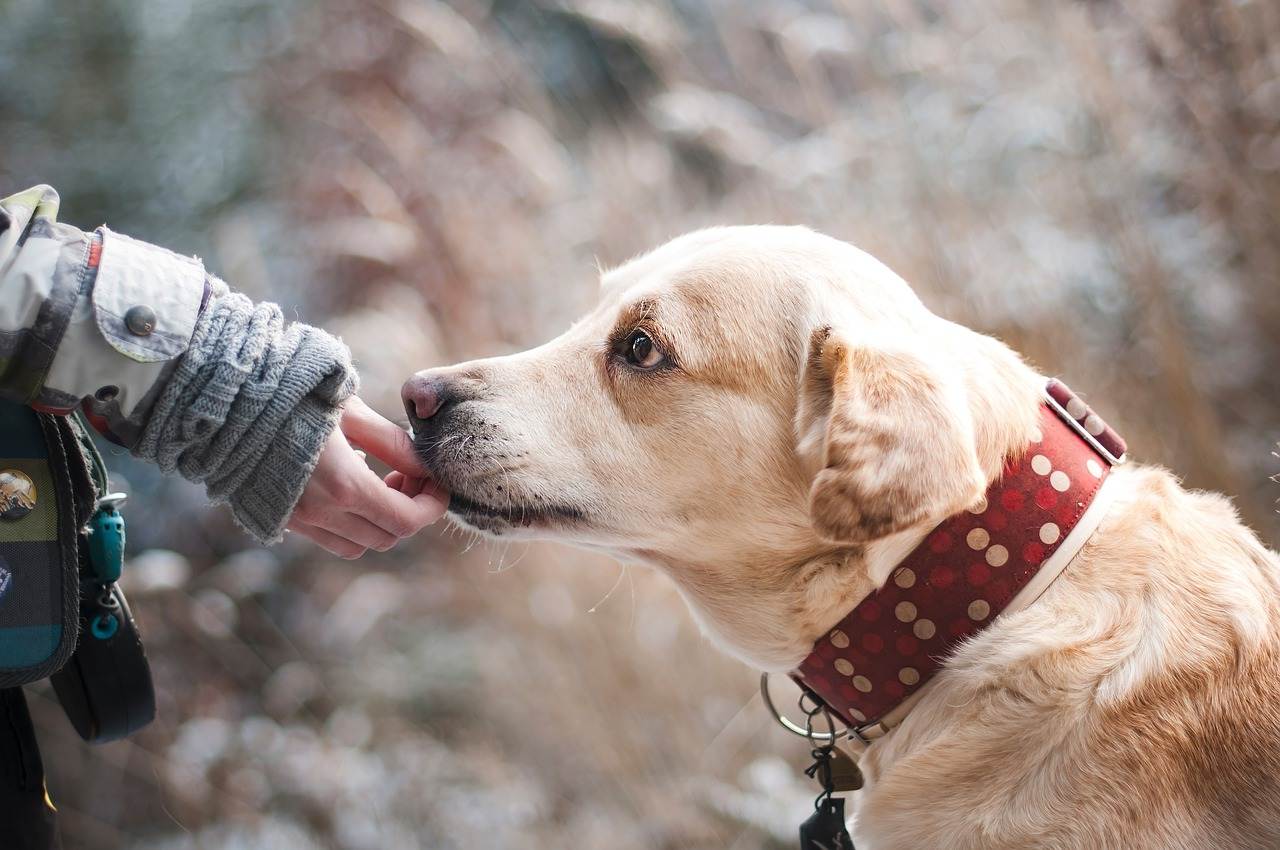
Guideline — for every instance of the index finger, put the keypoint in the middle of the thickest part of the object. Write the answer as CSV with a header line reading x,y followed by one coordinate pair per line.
x,y
380,437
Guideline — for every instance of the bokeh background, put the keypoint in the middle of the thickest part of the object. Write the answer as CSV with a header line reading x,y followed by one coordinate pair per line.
x,y
1096,183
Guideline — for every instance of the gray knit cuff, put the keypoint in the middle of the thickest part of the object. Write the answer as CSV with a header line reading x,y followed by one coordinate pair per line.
x,y
248,409
263,503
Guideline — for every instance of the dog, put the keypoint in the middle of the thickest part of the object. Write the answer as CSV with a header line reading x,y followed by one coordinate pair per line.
x,y
774,419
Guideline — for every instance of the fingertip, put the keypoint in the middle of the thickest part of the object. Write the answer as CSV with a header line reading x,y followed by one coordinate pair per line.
x,y
432,506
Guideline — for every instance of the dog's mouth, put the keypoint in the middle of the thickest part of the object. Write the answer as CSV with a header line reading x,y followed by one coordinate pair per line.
x,y
496,518
485,491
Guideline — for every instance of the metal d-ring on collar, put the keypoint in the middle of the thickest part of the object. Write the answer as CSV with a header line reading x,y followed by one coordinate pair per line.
x,y
806,731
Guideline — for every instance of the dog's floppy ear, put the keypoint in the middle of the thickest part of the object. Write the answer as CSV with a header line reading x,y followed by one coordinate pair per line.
x,y
890,435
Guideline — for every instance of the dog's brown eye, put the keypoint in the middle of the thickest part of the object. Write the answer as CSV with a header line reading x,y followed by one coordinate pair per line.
x,y
641,351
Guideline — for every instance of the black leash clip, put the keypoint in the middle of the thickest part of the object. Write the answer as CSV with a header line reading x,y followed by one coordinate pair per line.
x,y
825,829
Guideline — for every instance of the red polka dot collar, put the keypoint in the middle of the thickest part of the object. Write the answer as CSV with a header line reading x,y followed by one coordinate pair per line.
x,y
998,556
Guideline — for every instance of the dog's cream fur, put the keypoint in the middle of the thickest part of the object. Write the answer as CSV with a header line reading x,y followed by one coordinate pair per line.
x,y
811,422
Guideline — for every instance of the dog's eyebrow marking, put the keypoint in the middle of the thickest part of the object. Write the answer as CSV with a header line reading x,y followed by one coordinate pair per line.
x,y
645,308
633,316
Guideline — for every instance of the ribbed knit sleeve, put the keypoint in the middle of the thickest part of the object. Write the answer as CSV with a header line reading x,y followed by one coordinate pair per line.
x,y
248,408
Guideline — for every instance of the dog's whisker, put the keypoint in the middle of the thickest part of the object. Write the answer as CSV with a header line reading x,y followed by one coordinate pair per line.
x,y
631,582
605,598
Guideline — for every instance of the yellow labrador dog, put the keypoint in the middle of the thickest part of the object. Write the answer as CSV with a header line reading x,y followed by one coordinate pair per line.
x,y
773,418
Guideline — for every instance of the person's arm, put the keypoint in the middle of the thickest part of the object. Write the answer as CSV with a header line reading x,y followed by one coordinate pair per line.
x,y
170,363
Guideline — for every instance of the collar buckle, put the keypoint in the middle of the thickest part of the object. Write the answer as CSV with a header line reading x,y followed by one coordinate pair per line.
x,y
1078,426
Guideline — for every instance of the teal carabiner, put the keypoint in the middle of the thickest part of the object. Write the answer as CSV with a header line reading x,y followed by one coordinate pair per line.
x,y
106,539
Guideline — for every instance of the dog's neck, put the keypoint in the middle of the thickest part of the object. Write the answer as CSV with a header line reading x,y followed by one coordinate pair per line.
x,y
773,627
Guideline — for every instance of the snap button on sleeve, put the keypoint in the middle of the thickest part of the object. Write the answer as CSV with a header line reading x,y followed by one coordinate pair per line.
x,y
145,300
140,320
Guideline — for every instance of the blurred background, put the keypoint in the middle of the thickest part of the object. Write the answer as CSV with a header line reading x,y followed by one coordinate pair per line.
x,y
1096,183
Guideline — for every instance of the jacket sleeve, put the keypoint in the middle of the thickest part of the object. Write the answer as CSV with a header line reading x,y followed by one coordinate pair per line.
x,y
94,318
166,360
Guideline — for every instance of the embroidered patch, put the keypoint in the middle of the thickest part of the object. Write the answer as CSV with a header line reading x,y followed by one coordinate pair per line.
x,y
6,579
17,494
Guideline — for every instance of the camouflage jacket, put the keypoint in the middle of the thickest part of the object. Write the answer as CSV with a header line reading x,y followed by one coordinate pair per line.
x,y
92,320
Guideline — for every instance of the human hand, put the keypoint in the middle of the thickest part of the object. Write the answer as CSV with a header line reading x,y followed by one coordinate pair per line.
x,y
346,508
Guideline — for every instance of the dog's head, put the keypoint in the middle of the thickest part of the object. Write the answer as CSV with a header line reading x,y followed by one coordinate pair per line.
x,y
753,409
